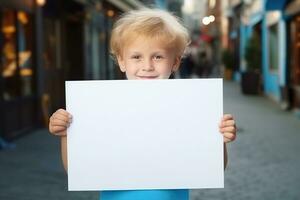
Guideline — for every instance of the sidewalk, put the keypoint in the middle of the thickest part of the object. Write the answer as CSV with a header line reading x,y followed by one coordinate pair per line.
x,y
263,162
33,171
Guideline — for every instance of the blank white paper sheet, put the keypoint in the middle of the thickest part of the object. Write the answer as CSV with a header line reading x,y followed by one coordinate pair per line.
x,y
145,134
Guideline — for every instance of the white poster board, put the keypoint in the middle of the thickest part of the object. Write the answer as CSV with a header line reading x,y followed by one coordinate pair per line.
x,y
149,134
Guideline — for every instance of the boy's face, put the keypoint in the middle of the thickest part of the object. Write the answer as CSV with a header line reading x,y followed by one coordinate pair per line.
x,y
148,59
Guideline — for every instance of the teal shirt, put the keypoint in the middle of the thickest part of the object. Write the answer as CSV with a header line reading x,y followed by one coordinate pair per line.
x,y
145,195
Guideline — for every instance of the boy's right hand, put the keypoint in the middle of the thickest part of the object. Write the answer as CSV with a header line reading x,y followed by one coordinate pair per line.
x,y
59,122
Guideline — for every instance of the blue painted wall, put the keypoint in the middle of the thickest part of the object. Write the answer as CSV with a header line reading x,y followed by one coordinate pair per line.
x,y
283,52
272,80
162,4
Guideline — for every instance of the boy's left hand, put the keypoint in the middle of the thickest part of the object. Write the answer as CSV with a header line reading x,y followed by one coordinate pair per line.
x,y
227,127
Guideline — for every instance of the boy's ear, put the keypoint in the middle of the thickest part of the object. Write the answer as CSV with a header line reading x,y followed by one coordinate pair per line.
x,y
121,63
176,63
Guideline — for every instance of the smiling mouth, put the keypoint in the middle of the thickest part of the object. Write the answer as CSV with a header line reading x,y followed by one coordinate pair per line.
x,y
147,77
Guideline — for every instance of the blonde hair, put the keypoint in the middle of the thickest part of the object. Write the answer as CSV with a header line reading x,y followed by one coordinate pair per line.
x,y
151,24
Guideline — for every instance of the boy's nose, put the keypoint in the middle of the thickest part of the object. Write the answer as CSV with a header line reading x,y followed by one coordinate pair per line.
x,y
148,66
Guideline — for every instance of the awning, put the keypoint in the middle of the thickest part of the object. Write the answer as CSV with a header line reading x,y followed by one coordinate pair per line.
x,y
124,5
292,8
275,4
127,4
26,5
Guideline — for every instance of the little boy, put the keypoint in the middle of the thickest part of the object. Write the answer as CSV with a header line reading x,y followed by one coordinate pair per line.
x,y
147,44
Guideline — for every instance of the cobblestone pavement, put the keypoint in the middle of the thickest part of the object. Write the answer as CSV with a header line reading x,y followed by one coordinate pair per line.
x,y
33,171
263,162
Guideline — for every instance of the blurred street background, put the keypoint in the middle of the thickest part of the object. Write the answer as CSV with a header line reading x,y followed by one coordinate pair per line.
x,y
253,44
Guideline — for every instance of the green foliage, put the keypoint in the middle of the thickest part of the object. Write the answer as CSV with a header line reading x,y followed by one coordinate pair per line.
x,y
253,53
227,58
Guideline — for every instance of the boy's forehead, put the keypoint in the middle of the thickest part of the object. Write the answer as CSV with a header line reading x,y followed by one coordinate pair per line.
x,y
142,42
146,49
134,42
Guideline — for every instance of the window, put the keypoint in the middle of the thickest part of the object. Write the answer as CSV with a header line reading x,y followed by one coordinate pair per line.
x,y
8,55
25,53
16,54
273,47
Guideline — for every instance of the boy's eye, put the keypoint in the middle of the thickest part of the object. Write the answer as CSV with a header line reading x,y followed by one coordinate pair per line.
x,y
136,57
158,57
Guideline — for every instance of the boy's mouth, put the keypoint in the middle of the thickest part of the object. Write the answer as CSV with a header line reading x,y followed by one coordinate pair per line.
x,y
147,77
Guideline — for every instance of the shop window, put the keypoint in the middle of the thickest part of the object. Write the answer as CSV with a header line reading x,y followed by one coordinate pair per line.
x,y
16,54
25,53
8,55
273,47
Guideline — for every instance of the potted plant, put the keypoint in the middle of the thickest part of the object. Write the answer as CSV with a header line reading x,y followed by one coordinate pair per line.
x,y
227,58
250,80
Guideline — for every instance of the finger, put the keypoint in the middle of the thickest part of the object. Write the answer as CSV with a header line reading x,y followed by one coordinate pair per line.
x,y
63,112
59,122
229,136
226,140
227,117
58,130
227,123
230,129
61,117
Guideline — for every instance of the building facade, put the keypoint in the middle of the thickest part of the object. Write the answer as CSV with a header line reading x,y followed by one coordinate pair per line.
x,y
20,90
291,91
45,43
277,24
